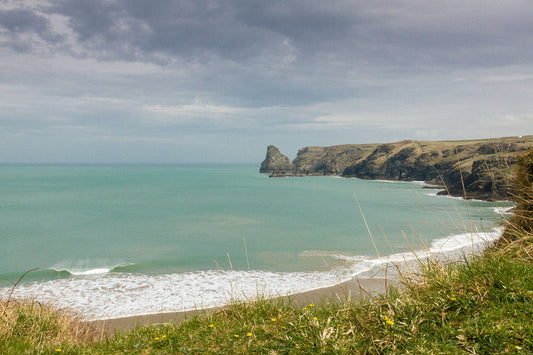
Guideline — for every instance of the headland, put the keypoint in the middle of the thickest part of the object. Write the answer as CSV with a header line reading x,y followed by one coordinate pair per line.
x,y
473,169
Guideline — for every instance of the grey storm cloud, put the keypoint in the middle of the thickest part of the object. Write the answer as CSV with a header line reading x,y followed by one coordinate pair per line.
x,y
407,33
23,20
18,22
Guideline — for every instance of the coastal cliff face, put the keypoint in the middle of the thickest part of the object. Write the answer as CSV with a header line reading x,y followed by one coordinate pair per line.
x,y
329,160
483,167
275,162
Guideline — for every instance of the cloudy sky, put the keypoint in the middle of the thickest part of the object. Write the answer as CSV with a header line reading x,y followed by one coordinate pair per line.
x,y
217,81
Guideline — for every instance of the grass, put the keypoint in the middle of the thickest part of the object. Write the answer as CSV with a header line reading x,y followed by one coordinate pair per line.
x,y
29,327
483,305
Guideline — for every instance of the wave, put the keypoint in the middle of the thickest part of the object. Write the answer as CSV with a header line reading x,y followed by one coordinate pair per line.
x,y
415,182
334,254
88,267
504,210
99,294
450,248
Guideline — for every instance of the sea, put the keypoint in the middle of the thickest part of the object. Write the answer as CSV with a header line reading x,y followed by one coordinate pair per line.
x,y
108,241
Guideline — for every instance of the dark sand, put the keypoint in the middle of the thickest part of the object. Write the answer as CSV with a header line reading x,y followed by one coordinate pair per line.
x,y
353,289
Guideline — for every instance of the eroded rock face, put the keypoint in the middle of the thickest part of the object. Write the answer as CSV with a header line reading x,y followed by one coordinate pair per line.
x,y
275,162
476,169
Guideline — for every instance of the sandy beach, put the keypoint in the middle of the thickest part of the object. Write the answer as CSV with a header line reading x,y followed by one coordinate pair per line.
x,y
353,289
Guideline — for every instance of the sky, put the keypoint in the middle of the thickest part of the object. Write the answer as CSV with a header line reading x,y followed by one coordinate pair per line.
x,y
183,81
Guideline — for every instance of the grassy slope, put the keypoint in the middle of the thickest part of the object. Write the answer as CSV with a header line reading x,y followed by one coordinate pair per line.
x,y
481,168
481,306
309,156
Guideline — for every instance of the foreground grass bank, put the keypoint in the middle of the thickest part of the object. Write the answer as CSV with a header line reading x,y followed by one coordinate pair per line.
x,y
484,305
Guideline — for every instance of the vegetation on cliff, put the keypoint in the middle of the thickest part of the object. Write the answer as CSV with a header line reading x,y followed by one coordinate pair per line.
x,y
275,162
474,169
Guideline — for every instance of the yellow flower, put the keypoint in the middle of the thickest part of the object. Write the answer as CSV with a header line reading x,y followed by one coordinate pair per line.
x,y
211,325
311,305
518,347
236,335
156,338
249,334
273,319
388,321
453,298
305,308
315,318
283,327
163,337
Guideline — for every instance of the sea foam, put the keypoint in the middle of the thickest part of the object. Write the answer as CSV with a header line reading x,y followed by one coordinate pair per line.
x,y
102,295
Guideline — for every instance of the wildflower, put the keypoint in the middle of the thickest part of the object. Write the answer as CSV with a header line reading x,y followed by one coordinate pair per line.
x,y
518,347
311,305
163,337
388,321
305,308
211,325
315,318
249,334
273,319
236,335
283,327
156,338
453,298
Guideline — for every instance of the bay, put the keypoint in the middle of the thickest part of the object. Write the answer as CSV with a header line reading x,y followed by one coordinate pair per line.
x,y
103,231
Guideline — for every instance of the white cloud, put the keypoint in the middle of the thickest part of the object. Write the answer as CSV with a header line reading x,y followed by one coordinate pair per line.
x,y
507,78
291,55
201,115
196,108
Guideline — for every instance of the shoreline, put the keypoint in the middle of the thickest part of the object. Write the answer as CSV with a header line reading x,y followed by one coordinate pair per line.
x,y
442,190
353,289
348,290
370,274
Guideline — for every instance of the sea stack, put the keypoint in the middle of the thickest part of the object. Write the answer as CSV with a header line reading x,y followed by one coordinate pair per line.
x,y
276,163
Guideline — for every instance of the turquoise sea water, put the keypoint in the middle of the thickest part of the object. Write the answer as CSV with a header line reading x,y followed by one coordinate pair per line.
x,y
102,232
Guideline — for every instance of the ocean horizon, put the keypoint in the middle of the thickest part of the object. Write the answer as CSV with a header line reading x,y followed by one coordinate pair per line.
x,y
114,240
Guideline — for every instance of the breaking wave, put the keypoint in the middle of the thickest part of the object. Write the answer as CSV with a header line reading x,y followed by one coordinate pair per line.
x,y
109,292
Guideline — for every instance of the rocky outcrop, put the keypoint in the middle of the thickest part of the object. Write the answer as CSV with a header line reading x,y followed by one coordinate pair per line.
x,y
329,160
479,169
275,162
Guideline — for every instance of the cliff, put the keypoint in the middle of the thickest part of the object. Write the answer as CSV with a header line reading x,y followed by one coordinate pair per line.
x,y
275,162
483,167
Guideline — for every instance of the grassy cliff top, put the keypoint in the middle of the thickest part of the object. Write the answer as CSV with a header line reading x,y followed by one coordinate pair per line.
x,y
465,149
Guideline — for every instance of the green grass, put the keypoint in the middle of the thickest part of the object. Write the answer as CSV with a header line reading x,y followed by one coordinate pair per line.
x,y
479,306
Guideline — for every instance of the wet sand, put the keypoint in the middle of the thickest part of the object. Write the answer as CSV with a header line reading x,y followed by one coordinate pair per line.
x,y
349,290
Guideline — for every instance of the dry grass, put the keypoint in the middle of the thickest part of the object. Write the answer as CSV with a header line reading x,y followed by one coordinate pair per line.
x,y
31,325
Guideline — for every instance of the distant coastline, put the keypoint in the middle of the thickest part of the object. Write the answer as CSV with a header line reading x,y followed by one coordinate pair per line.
x,y
473,169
